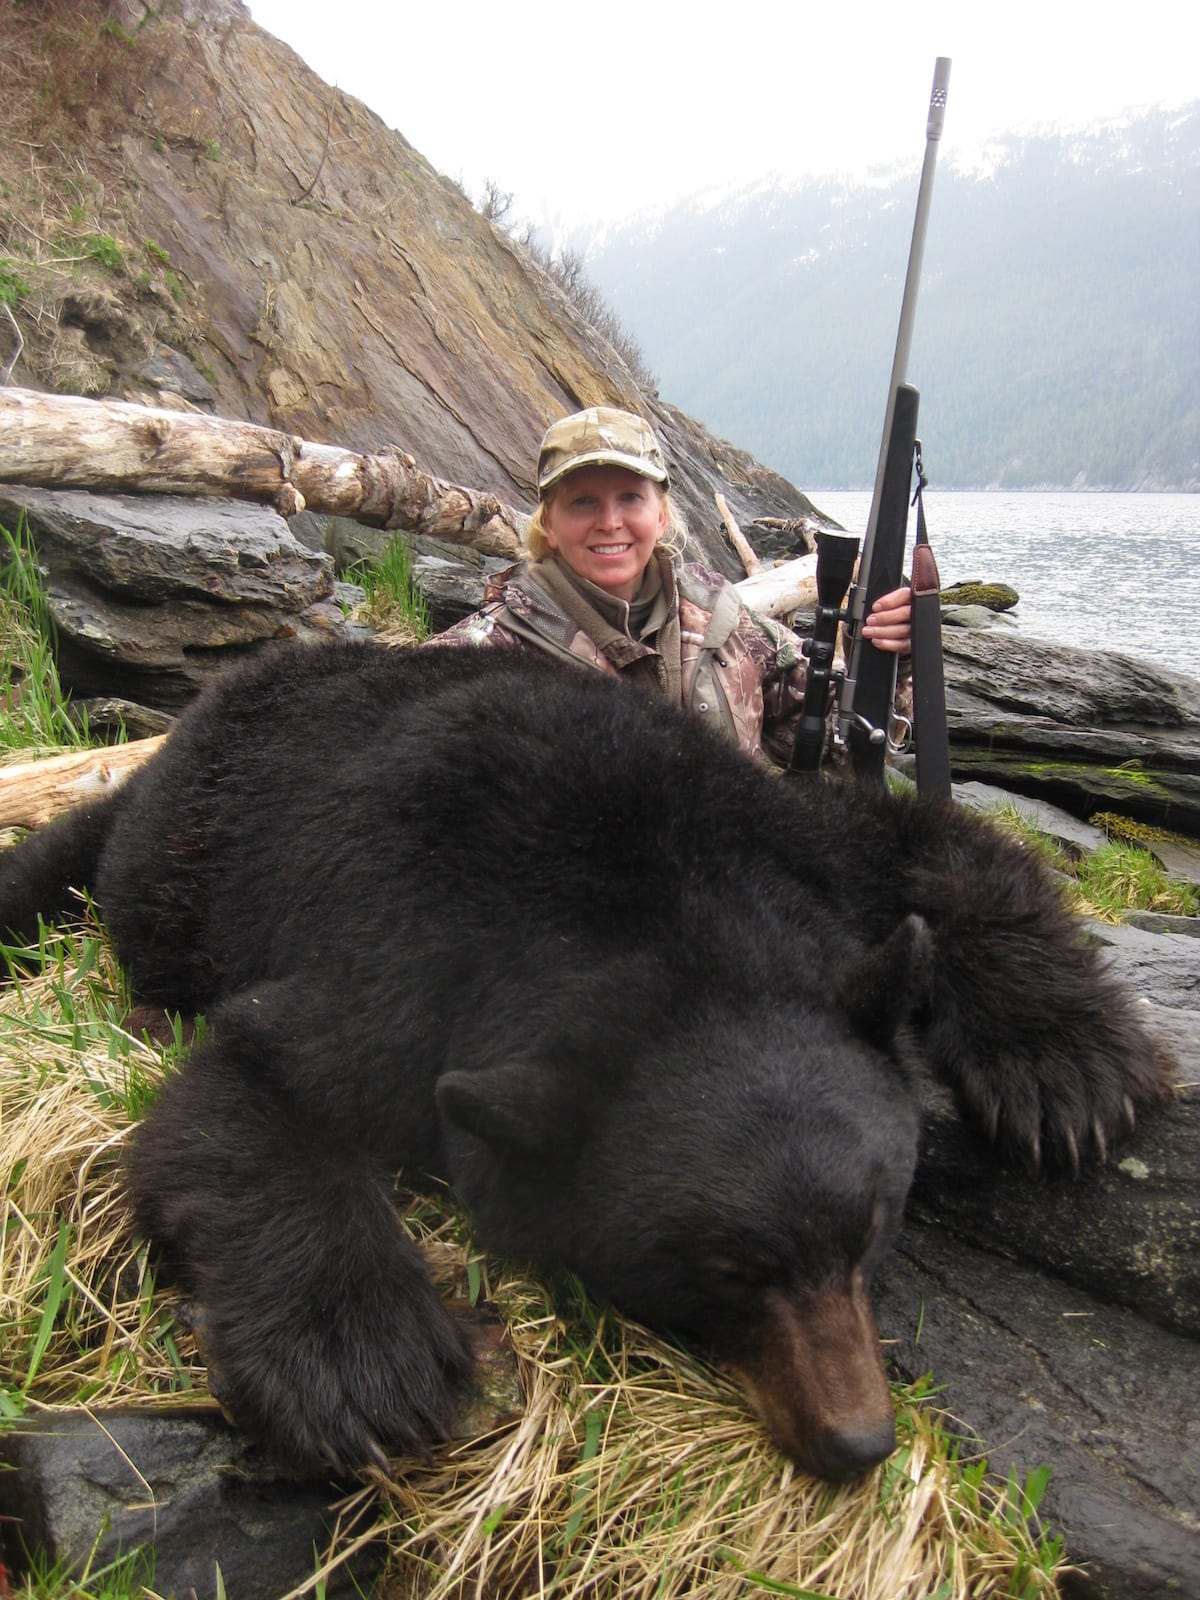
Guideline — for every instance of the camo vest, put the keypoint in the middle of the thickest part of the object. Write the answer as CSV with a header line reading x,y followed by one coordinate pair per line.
x,y
742,673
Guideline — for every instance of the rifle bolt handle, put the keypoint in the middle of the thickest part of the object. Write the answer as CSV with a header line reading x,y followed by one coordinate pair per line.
x,y
874,735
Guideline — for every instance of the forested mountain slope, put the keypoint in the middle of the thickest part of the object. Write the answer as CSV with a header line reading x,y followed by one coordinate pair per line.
x,y
1058,333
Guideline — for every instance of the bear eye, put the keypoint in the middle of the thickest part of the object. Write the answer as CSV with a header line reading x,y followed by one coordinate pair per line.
x,y
744,1271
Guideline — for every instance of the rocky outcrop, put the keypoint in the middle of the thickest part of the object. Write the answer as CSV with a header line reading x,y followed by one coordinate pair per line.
x,y
186,1502
279,255
150,595
192,1503
1087,730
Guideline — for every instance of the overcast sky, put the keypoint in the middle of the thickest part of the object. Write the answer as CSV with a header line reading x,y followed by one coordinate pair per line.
x,y
592,111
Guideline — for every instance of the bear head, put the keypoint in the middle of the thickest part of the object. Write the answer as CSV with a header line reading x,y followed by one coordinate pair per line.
x,y
737,1179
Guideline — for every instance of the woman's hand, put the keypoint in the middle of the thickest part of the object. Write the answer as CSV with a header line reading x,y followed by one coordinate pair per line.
x,y
889,623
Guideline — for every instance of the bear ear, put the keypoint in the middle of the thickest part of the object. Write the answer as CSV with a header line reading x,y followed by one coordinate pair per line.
x,y
525,1106
882,989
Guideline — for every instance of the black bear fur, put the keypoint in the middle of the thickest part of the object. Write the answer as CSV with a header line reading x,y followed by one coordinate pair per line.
x,y
658,1017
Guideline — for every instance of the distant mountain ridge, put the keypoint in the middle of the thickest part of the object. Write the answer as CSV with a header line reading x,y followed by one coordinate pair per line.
x,y
1057,342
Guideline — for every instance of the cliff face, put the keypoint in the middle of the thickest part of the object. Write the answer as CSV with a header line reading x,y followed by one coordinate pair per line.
x,y
193,213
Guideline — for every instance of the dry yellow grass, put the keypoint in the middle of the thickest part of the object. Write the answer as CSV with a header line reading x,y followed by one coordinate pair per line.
x,y
635,1470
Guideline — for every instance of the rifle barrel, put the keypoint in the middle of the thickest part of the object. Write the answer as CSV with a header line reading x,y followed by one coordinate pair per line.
x,y
908,312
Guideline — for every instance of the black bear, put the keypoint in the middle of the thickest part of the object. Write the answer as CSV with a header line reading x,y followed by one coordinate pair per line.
x,y
656,1015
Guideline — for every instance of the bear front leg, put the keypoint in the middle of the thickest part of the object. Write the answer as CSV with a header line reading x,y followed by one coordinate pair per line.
x,y
38,875
325,1334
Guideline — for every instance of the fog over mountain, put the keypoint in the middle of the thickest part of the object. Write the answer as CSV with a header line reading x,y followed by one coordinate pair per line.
x,y
1057,341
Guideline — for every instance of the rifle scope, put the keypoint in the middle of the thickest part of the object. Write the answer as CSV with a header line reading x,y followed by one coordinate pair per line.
x,y
836,554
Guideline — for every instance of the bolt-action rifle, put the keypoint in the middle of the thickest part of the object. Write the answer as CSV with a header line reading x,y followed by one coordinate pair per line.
x,y
867,687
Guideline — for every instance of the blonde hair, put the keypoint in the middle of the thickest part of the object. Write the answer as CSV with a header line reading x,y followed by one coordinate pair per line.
x,y
537,542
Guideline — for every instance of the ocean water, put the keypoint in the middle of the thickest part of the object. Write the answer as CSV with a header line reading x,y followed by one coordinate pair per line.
x,y
1103,571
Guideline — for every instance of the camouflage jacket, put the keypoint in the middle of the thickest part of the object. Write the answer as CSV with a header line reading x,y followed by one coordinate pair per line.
x,y
740,671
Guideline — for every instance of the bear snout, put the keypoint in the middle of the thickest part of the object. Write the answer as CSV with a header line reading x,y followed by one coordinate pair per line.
x,y
815,1375
845,1454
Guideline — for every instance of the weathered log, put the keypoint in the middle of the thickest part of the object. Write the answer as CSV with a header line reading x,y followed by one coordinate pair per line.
x,y
31,792
64,441
778,591
737,538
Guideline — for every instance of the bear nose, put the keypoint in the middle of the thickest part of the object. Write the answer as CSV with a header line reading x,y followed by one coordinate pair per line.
x,y
849,1452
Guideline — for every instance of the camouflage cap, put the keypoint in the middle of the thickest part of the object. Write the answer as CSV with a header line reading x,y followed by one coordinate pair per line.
x,y
601,436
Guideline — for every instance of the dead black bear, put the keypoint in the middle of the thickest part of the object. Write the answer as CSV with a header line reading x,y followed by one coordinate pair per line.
x,y
657,1016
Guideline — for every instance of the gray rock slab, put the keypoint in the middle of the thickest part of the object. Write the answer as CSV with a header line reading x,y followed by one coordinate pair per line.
x,y
158,548
1073,687
172,373
186,1488
1163,968
956,616
1080,837
1087,730
1179,860
1127,1230
1060,1317
196,1497
1163,922
1043,1374
151,595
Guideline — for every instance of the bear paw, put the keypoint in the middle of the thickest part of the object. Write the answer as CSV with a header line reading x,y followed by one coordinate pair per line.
x,y
339,1388
1070,1104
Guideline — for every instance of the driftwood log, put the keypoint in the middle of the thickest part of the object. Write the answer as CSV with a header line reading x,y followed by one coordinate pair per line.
x,y
778,591
737,538
67,442
31,792
63,441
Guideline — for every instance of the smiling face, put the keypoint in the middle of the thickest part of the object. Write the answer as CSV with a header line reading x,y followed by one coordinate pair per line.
x,y
604,522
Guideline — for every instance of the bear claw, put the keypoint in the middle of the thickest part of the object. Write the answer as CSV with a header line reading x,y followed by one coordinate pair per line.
x,y
1099,1140
1072,1151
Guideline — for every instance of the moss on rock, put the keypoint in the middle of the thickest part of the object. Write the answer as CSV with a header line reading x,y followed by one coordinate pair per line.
x,y
1131,832
995,596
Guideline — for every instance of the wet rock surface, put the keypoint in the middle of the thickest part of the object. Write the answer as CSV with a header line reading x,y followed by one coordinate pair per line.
x,y
1062,1316
1088,730
208,1515
192,1502
151,595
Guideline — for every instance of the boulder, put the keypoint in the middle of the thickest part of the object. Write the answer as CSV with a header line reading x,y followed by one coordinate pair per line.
x,y
193,1500
991,596
1061,1318
152,594
1088,730
958,616
179,1494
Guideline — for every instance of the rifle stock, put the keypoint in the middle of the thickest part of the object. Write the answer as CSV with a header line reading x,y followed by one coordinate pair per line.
x,y
870,685
869,682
